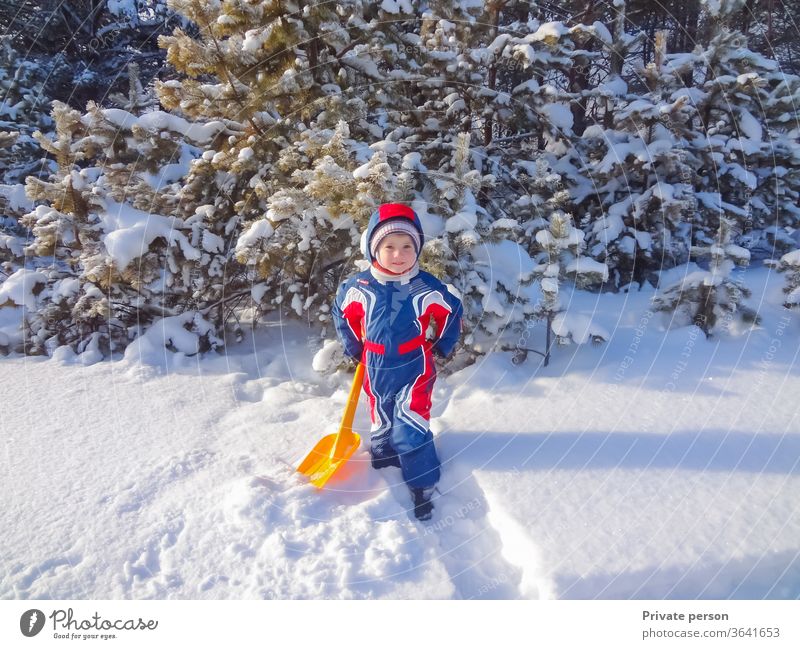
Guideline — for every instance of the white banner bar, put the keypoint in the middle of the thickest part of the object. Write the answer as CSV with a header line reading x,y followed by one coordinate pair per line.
x,y
399,624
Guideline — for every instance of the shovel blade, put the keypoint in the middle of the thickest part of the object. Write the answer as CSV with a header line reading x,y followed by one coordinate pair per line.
x,y
321,463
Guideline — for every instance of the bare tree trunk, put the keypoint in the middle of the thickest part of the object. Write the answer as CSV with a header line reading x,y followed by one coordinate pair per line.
x,y
494,13
692,16
548,339
579,78
769,21
615,64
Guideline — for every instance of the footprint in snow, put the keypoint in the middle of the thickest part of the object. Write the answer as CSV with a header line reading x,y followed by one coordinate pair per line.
x,y
463,537
245,389
145,489
144,574
292,540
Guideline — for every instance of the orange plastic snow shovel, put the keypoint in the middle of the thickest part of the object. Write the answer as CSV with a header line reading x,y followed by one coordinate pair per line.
x,y
332,451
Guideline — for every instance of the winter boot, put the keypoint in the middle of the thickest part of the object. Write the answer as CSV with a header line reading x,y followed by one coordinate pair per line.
x,y
423,507
380,461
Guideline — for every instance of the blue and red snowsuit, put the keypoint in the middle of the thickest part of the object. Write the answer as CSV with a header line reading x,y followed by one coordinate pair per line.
x,y
397,357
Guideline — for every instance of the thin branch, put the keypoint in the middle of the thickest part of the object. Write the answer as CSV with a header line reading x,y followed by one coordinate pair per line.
x,y
227,298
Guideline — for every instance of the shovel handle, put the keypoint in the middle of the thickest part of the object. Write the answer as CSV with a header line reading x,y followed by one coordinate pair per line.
x,y
352,404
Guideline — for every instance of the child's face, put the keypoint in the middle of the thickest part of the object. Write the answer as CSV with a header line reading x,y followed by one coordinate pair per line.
x,y
396,252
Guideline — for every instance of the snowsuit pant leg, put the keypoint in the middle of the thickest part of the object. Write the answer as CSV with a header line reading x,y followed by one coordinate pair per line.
x,y
400,417
418,460
381,407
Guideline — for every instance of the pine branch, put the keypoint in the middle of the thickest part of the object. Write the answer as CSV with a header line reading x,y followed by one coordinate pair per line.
x,y
227,72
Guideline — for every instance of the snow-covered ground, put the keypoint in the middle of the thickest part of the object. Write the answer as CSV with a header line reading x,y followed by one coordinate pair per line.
x,y
656,465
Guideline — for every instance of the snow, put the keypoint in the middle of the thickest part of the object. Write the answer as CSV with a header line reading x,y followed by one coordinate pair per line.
x,y
507,261
742,175
396,6
129,233
465,220
791,259
613,86
15,197
212,242
199,133
11,243
258,291
750,126
19,287
498,44
545,238
559,116
643,239
713,201
587,265
171,172
618,152
363,171
549,285
602,32
174,332
739,254
549,31
254,39
577,326
432,224
326,357
66,287
261,229
365,66
713,6
661,484
122,7
657,465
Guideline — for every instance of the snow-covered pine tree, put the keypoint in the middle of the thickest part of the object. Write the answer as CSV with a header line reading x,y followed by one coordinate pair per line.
x,y
736,159
85,45
108,269
559,240
790,264
64,227
710,299
774,204
472,250
13,235
639,199
61,231
771,29
556,246
271,73
532,156
560,237
449,80
24,108
736,180
158,258
461,66
749,138
310,236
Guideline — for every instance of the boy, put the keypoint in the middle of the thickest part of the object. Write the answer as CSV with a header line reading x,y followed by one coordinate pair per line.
x,y
382,317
